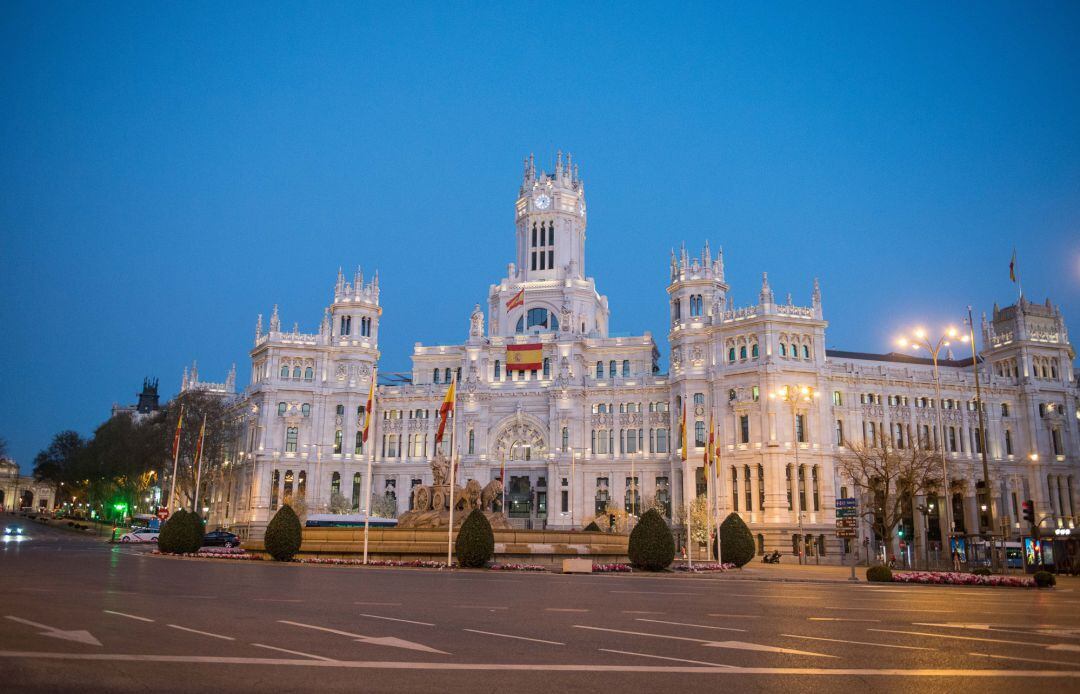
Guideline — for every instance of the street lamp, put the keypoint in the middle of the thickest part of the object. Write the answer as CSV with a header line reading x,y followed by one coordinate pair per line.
x,y
922,341
793,395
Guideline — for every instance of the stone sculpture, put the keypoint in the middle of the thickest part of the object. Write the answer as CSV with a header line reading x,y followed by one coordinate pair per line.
x,y
431,503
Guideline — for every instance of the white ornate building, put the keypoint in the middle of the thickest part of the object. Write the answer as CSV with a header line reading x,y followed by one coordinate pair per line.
x,y
597,411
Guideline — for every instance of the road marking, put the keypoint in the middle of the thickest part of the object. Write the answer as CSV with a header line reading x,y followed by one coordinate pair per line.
x,y
737,616
953,636
395,619
564,609
990,673
277,600
482,607
391,641
78,635
859,643
664,657
129,616
986,627
1063,647
884,609
649,592
641,633
681,624
387,604
286,650
840,619
638,612
736,645
511,636
204,633
1026,660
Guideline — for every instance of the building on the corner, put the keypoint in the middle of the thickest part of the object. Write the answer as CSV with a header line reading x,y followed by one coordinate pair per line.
x,y
22,492
146,404
591,421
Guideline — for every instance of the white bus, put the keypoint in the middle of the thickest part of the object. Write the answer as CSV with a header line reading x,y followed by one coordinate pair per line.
x,y
355,520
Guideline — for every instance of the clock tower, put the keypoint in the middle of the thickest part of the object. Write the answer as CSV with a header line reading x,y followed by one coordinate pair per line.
x,y
550,217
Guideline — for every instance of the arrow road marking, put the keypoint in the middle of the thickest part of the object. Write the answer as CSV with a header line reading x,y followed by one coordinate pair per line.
x,y
395,619
391,641
664,657
1064,647
737,645
77,635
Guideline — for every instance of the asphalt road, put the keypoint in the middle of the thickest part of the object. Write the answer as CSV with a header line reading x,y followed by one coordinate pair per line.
x,y
79,615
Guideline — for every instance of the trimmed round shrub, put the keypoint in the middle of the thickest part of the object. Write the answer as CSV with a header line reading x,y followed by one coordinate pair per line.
x,y
475,544
181,534
1045,579
652,547
981,571
592,528
879,574
283,534
736,541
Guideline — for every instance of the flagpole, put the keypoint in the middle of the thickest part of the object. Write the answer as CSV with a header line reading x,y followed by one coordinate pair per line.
x,y
453,477
716,508
367,422
502,481
176,458
198,466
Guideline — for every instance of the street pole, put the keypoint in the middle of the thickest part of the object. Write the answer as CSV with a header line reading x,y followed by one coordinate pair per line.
x,y
453,476
982,439
176,460
717,494
798,480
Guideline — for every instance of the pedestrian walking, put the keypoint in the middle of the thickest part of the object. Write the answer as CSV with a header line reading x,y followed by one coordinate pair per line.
x,y
955,560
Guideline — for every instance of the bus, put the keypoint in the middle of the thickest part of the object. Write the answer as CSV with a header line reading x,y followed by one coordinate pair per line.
x,y
335,520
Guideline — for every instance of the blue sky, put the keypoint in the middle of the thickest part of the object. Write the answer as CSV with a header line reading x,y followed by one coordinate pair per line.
x,y
168,171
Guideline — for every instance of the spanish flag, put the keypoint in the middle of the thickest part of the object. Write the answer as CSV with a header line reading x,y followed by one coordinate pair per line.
x,y
516,300
176,438
367,410
709,446
1012,266
199,448
524,357
682,428
445,409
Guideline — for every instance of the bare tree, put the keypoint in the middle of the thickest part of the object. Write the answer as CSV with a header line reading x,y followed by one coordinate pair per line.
x,y
887,480
222,425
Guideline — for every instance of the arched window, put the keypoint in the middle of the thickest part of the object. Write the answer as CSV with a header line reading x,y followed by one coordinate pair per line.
x,y
275,478
498,370
286,492
612,372
301,484
547,367
446,375
305,409
754,351
783,353
337,441
281,407
340,410
284,370
806,351
309,374
599,369
291,435
296,372
358,446
742,352
356,491
731,354
626,367
472,442
435,376
335,483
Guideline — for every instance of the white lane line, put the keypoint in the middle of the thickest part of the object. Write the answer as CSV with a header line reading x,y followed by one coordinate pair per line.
x,y
682,624
649,592
204,633
1026,660
992,628
960,638
664,657
385,604
326,629
641,612
858,643
129,616
737,616
390,641
641,633
277,600
988,673
564,609
884,609
511,636
286,650
395,619
736,645
482,607
840,619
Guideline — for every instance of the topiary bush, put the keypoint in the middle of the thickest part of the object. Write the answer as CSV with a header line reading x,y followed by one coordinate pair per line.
x,y
181,534
283,534
1045,579
475,544
736,542
652,548
879,574
592,528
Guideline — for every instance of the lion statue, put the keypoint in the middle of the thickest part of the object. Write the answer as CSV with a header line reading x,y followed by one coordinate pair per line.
x,y
492,490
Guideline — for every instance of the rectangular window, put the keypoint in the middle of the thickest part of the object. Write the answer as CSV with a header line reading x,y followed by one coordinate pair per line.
x,y
1055,438
661,441
800,428
837,398
1008,442
564,500
699,434
291,435
744,428
839,432
337,441
734,489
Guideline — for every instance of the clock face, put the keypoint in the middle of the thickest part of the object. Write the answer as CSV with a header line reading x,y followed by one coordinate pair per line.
x,y
543,202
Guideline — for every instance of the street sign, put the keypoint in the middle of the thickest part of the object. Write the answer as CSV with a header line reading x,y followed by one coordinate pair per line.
x,y
163,513
845,532
847,502
847,522
847,513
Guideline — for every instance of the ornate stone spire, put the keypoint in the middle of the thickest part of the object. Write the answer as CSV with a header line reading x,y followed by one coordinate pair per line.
x,y
340,285
258,327
766,291
275,321
720,264
358,280
230,380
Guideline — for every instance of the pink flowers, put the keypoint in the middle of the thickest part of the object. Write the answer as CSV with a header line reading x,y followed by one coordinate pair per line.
x,y
215,553
612,569
705,568
517,567
961,579
335,561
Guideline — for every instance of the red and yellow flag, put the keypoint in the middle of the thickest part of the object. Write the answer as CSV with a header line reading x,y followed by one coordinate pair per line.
x,y
516,300
176,438
682,428
709,445
524,357
445,409
199,447
367,410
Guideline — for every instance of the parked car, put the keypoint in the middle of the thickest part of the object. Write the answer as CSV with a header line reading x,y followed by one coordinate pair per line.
x,y
140,535
220,538
13,530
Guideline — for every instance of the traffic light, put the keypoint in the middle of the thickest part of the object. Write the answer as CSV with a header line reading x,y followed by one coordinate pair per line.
x,y
1029,511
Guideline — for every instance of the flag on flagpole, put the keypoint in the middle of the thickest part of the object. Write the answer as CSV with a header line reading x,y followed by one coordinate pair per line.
x,y
368,408
516,300
682,431
524,357
445,409
709,445
176,438
199,447
1012,266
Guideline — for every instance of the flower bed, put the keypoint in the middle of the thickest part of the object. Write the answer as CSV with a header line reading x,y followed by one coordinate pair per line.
x,y
235,553
961,579
517,567
334,561
612,569
705,568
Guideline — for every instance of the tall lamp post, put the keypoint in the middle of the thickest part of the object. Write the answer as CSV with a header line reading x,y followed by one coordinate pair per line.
x,y
982,439
920,340
793,395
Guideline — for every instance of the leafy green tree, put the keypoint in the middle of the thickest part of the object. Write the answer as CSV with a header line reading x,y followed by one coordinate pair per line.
x,y
283,534
736,541
652,547
57,463
475,544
